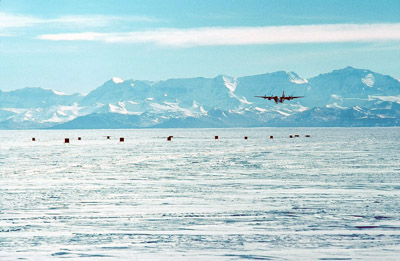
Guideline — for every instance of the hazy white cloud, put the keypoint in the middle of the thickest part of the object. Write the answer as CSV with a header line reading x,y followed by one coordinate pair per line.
x,y
329,33
13,21
98,20
10,21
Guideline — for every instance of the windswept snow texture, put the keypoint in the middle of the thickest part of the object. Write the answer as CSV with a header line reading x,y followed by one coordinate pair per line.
x,y
332,196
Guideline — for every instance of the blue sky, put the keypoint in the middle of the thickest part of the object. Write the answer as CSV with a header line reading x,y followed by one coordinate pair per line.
x,y
75,46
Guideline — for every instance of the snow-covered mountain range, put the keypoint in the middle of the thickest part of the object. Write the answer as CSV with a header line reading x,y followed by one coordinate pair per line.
x,y
345,97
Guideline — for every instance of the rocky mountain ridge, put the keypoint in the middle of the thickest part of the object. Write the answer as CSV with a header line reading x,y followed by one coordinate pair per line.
x,y
345,97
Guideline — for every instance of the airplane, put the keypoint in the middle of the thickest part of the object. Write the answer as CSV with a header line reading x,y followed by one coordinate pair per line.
x,y
280,99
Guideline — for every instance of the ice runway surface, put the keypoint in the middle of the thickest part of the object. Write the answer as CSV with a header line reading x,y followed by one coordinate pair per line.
x,y
333,196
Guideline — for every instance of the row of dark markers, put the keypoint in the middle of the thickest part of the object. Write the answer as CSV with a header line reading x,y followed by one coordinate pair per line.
x,y
169,138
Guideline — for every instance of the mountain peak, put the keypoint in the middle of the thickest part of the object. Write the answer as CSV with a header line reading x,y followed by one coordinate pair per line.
x,y
353,69
58,93
295,78
117,80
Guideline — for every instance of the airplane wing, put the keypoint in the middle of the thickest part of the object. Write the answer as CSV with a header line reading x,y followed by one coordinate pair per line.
x,y
292,97
275,98
265,97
